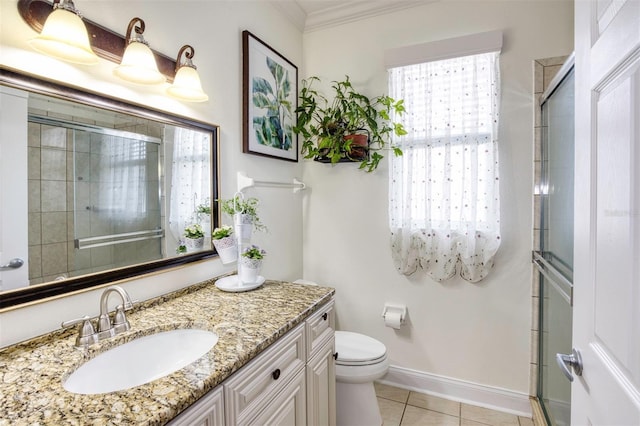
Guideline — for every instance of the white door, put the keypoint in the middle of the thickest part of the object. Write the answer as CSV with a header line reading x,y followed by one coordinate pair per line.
x,y
13,189
607,213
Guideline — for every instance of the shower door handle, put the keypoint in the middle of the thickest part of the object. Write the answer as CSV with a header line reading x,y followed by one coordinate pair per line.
x,y
13,264
570,361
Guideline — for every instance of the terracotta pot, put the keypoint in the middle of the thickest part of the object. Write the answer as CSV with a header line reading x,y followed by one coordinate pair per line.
x,y
359,146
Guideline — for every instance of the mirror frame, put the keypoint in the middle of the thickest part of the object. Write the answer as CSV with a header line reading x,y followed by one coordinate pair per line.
x,y
16,79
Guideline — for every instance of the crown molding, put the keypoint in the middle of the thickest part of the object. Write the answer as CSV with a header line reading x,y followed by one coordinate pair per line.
x,y
348,11
355,11
293,12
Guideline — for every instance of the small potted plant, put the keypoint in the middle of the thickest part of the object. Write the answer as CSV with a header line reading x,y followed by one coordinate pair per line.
x,y
250,264
203,215
244,214
194,237
351,127
204,208
225,244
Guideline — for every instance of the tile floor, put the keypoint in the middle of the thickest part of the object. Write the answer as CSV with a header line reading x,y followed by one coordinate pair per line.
x,y
400,407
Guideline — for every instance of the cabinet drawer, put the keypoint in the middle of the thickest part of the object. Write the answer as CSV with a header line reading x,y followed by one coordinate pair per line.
x,y
252,388
319,326
288,408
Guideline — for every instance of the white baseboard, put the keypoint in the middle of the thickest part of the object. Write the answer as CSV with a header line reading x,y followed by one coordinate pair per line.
x,y
459,390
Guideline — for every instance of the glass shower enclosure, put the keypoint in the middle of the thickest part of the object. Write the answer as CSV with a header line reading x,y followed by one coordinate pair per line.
x,y
554,260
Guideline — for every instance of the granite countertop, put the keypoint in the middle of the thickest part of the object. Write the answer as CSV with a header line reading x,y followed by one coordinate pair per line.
x,y
32,372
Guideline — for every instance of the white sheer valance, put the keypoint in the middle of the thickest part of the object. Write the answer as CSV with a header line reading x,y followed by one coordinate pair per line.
x,y
444,206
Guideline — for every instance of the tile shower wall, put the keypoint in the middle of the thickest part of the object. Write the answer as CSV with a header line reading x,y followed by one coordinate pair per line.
x,y
48,221
52,225
544,71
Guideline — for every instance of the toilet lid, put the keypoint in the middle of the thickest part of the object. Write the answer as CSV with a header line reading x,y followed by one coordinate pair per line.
x,y
358,349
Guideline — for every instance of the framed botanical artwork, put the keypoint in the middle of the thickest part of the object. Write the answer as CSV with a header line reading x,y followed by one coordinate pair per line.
x,y
270,99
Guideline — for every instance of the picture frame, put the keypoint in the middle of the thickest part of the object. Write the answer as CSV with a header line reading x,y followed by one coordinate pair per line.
x,y
270,99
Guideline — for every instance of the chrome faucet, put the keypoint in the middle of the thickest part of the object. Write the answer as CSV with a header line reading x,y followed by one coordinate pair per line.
x,y
87,333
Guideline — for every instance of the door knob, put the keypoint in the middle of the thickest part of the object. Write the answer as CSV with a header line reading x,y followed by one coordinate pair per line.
x,y
566,362
13,264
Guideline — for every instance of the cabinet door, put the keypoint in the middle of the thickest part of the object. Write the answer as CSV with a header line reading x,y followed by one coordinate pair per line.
x,y
319,327
288,408
321,386
207,411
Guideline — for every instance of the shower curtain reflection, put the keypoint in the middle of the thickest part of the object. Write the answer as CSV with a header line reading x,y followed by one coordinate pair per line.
x,y
190,182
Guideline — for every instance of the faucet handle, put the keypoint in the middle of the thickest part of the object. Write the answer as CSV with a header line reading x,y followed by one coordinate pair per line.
x,y
86,328
120,322
86,331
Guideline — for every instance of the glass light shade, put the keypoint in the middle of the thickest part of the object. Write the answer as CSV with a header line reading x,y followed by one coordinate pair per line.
x,y
186,85
64,36
139,65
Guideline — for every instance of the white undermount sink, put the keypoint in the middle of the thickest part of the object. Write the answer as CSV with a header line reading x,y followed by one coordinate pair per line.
x,y
140,361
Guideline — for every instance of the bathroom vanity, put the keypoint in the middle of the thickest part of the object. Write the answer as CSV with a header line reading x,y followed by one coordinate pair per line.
x,y
273,363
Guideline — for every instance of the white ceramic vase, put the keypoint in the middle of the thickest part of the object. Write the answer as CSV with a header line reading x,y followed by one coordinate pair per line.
x,y
249,270
194,244
204,220
243,226
227,249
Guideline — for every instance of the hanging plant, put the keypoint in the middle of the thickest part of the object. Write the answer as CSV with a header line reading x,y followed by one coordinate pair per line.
x,y
331,129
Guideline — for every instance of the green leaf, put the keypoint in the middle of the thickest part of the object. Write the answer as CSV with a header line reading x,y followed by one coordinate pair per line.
x,y
260,100
260,85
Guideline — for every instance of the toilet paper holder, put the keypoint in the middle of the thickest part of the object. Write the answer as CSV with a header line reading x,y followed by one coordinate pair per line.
x,y
396,309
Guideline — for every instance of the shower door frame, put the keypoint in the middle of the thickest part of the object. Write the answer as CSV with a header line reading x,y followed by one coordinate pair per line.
x,y
555,275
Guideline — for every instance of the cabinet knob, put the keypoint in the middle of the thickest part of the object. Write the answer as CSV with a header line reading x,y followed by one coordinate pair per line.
x,y
276,374
335,356
325,316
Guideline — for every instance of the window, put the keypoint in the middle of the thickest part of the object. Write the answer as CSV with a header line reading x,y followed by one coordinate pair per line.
x,y
444,207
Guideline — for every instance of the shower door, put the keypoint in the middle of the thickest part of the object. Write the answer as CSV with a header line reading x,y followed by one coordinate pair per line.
x,y
555,258
117,215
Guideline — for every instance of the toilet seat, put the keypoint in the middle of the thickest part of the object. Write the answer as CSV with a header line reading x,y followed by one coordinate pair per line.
x,y
355,349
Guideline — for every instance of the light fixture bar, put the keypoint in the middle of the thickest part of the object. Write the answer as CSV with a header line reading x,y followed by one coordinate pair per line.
x,y
105,43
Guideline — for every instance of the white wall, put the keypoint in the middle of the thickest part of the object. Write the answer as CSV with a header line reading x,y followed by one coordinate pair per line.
x,y
476,333
473,332
214,30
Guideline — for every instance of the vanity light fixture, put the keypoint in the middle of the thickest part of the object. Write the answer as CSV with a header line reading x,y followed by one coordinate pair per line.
x,y
186,84
138,63
64,35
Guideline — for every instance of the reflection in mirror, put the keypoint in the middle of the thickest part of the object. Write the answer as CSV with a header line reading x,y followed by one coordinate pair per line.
x,y
108,193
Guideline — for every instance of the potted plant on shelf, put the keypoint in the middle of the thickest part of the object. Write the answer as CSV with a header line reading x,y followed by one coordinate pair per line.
x,y
225,244
194,237
244,214
351,127
251,264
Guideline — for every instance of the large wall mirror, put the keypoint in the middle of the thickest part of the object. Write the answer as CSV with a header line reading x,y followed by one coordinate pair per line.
x,y
97,190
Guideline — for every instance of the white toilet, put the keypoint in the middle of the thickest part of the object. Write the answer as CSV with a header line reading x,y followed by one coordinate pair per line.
x,y
361,360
